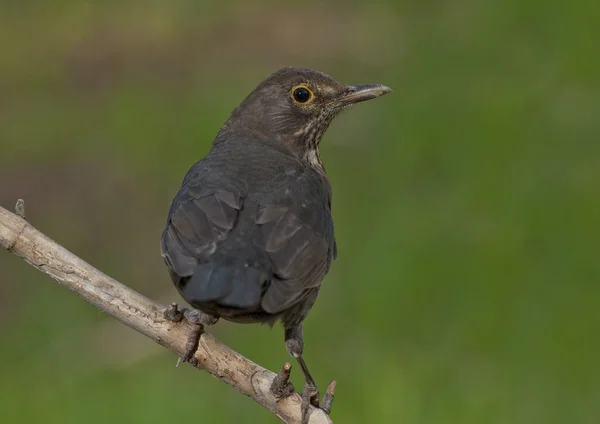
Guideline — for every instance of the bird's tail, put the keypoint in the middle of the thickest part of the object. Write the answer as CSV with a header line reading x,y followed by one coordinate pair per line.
x,y
229,280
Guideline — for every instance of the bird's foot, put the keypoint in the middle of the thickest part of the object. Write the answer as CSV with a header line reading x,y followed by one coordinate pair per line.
x,y
310,396
198,320
282,387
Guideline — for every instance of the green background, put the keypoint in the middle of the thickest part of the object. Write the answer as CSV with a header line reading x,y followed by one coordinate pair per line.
x,y
467,203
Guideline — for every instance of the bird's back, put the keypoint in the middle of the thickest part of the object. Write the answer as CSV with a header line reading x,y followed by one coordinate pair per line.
x,y
249,234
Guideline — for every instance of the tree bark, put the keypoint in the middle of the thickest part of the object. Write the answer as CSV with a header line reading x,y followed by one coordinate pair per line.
x,y
145,316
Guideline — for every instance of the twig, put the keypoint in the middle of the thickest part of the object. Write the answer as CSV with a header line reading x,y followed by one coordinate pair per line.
x,y
146,316
20,208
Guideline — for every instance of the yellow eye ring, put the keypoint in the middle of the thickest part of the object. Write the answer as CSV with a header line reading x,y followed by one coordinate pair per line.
x,y
301,94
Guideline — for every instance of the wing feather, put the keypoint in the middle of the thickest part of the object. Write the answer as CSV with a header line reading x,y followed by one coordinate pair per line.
x,y
199,218
300,253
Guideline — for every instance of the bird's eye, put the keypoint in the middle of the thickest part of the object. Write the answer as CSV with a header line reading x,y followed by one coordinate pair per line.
x,y
302,94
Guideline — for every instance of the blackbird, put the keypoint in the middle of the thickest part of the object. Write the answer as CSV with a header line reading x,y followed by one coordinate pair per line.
x,y
249,236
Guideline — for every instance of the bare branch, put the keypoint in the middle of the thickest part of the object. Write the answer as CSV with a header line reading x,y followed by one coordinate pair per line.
x,y
146,316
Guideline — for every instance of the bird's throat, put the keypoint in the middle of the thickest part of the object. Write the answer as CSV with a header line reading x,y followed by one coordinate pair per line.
x,y
310,138
313,159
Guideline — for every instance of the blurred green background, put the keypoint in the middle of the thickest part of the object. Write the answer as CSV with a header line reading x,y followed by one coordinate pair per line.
x,y
467,203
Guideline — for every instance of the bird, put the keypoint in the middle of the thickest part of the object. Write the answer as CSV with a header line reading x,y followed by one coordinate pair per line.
x,y
250,235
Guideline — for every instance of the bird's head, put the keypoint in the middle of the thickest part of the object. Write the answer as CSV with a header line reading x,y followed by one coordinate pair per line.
x,y
294,107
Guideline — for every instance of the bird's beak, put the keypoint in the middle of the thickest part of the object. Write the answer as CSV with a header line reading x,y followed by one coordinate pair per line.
x,y
360,93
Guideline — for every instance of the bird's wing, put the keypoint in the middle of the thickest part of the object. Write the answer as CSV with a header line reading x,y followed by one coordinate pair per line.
x,y
199,218
300,244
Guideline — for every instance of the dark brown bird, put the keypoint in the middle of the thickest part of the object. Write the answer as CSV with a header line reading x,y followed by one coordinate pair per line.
x,y
249,236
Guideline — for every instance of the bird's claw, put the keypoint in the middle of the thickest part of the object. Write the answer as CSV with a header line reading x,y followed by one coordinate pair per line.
x,y
310,396
281,387
191,345
196,317
197,320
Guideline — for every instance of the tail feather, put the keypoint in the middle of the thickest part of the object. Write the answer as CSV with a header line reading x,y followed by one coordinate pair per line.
x,y
229,282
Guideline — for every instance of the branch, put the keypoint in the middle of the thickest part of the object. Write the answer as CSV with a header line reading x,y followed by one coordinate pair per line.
x,y
146,316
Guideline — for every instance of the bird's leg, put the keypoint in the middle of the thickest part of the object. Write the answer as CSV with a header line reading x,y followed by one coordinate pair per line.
x,y
198,320
310,393
294,342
